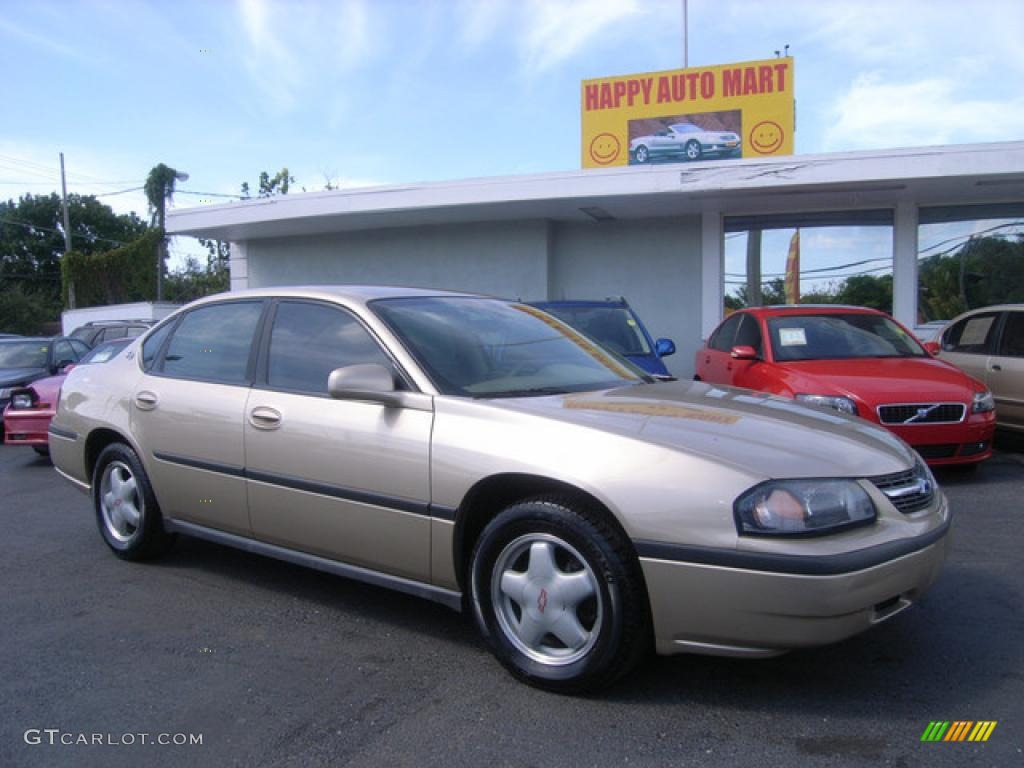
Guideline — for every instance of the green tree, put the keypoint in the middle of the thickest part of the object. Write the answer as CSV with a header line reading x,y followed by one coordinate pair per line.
x,y
269,186
32,247
866,291
981,272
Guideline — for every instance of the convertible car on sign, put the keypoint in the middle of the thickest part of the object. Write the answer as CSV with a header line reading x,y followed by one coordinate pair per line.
x,y
483,454
685,141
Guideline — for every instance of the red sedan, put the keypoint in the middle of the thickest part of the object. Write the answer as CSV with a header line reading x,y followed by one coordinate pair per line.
x,y
859,361
27,418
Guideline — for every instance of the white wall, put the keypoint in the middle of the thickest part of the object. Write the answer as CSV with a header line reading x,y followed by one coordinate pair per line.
x,y
503,259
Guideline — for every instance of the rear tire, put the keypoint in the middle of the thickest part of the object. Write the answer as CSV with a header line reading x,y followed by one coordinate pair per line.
x,y
42,450
126,510
558,596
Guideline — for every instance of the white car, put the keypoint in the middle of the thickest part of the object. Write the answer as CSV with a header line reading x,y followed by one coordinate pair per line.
x,y
687,140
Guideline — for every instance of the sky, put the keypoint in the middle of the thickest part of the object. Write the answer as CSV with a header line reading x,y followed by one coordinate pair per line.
x,y
368,92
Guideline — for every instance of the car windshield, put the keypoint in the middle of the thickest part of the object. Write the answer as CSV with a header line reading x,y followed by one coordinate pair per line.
x,y
105,351
23,354
481,347
839,336
614,327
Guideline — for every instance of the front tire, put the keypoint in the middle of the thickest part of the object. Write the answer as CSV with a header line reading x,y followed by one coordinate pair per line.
x,y
692,150
126,510
641,154
559,597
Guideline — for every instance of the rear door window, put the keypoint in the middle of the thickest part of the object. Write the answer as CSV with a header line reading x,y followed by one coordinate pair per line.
x,y
723,338
973,335
213,343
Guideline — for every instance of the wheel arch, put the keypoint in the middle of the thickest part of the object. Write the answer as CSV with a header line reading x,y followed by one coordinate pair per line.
x,y
489,496
99,439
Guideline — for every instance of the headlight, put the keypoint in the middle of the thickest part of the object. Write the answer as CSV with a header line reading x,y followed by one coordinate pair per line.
x,y
21,401
802,508
983,402
844,404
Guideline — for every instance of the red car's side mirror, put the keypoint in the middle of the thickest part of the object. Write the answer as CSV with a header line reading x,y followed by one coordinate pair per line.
x,y
743,352
932,347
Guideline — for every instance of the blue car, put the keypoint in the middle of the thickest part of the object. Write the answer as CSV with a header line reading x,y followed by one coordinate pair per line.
x,y
613,324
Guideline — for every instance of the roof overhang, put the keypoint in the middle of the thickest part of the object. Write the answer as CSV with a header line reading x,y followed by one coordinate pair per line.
x,y
947,175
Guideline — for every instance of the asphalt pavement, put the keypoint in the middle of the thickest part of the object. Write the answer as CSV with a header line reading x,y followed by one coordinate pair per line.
x,y
270,664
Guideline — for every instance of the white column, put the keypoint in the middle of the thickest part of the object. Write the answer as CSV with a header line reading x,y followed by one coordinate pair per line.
x,y
238,266
904,263
712,287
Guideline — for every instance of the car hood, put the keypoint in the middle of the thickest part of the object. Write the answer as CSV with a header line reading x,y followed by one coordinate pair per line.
x,y
10,377
758,433
878,381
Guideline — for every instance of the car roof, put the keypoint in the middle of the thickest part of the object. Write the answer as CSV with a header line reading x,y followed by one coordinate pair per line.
x,y
993,308
20,339
810,309
358,294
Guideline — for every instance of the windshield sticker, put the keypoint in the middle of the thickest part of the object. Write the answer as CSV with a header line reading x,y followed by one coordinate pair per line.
x,y
792,337
631,322
976,331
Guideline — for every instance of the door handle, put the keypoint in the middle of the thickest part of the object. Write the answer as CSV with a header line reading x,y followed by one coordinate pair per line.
x,y
995,367
145,400
263,417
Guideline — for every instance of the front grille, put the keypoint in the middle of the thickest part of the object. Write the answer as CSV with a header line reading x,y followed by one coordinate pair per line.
x,y
922,413
908,491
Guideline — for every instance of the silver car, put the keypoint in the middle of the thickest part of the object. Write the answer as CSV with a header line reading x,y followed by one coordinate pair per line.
x,y
481,453
685,141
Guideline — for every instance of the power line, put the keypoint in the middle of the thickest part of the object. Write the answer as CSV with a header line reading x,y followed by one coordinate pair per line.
x,y
119,192
29,225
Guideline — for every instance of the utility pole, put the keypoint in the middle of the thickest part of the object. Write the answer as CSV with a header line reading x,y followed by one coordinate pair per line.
x,y
67,229
686,40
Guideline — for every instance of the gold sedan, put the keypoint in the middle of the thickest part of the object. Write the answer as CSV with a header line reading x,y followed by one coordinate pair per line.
x,y
481,453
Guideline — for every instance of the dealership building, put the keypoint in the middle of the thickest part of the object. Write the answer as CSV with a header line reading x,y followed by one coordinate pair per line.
x,y
655,234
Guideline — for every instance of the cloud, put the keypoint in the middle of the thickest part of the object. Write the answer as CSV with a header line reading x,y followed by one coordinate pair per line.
x,y
546,33
291,48
47,44
874,114
557,31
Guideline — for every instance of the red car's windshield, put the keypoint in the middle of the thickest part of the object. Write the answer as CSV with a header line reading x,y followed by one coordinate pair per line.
x,y
838,337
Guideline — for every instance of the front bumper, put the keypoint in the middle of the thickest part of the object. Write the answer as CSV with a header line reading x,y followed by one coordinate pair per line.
x,y
726,610
968,442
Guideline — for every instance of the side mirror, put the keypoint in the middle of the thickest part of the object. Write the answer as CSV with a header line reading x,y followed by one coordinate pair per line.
x,y
932,347
63,366
369,381
664,347
743,352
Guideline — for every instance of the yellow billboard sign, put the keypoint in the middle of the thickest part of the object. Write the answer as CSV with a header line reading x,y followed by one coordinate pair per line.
x,y
701,113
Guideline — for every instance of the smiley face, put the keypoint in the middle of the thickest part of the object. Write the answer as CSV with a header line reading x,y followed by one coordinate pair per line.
x,y
605,148
766,137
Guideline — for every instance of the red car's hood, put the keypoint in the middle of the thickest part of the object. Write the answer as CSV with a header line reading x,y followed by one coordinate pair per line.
x,y
882,380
